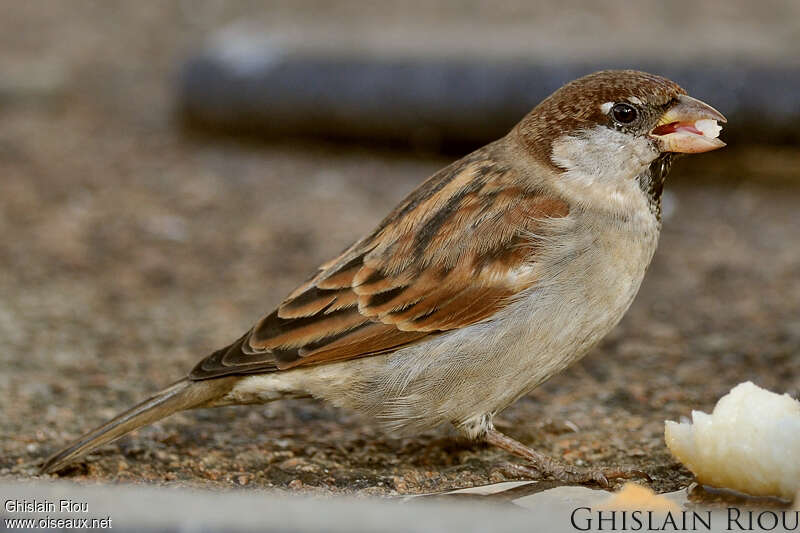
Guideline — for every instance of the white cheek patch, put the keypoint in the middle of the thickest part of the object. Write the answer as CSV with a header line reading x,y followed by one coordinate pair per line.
x,y
709,127
605,108
600,165
602,154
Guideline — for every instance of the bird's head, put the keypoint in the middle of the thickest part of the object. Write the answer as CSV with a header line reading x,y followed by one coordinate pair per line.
x,y
607,129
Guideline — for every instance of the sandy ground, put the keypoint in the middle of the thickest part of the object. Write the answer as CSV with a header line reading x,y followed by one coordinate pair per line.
x,y
127,252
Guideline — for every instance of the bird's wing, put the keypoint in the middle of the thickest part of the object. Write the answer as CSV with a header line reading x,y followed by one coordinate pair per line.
x,y
454,252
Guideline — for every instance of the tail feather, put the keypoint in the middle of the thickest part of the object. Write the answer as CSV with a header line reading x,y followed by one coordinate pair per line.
x,y
184,394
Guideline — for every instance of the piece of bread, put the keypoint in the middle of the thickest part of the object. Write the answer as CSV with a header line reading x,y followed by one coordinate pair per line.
x,y
749,443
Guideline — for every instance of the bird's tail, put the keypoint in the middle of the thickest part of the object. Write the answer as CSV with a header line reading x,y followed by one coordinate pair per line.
x,y
184,394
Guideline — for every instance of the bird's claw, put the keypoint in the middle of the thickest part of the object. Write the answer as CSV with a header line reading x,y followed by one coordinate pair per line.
x,y
574,474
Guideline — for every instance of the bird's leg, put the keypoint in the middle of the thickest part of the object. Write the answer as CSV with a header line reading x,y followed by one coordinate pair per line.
x,y
542,465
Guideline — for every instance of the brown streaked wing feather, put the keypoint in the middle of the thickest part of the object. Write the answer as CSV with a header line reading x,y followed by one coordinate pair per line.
x,y
373,339
455,252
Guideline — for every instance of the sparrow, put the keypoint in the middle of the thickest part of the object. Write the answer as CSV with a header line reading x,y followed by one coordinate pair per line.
x,y
497,272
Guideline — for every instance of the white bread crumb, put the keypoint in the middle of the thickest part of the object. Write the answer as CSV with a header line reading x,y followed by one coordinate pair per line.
x,y
709,127
750,443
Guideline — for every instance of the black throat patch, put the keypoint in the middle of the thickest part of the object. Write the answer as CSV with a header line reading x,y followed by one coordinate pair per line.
x,y
651,181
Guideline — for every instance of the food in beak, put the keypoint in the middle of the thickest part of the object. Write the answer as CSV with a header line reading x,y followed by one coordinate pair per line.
x,y
707,127
689,127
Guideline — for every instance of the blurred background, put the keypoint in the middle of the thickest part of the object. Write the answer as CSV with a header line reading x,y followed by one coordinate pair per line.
x,y
169,171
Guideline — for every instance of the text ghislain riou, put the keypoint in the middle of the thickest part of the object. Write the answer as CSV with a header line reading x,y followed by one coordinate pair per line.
x,y
588,519
45,506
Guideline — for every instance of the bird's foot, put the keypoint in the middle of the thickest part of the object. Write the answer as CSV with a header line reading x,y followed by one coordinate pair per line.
x,y
570,474
542,466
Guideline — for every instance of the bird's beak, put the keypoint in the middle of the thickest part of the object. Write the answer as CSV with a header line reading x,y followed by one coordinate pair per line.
x,y
690,127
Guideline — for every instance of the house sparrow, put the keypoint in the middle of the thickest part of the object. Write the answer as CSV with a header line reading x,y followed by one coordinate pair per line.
x,y
496,273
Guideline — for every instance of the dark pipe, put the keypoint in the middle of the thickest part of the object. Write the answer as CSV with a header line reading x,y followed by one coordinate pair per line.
x,y
439,104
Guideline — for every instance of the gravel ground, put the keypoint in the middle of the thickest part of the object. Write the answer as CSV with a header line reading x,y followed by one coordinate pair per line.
x,y
128,252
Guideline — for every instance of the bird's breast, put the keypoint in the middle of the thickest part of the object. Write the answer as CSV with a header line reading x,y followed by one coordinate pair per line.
x,y
587,283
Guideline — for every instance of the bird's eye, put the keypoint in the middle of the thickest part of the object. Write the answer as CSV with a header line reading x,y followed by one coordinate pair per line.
x,y
624,113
